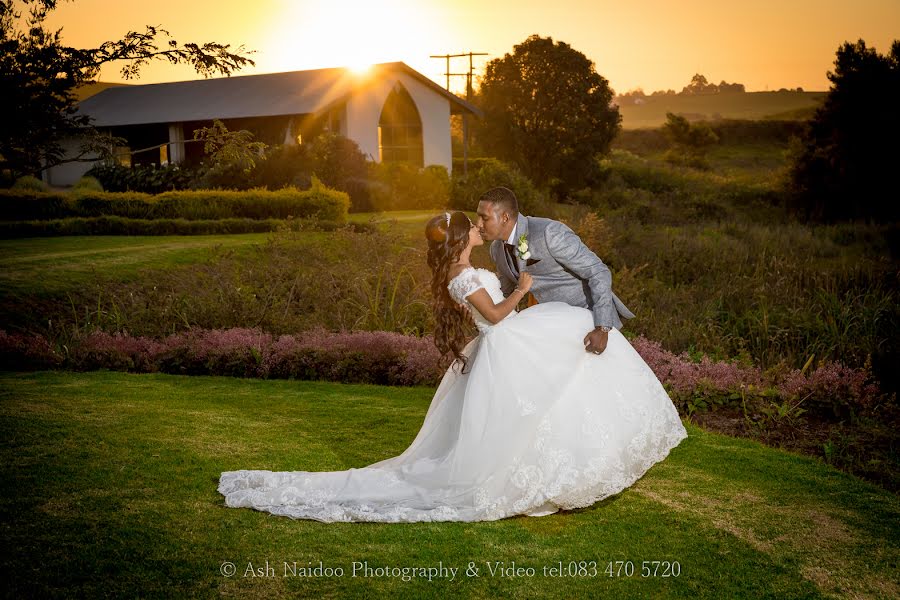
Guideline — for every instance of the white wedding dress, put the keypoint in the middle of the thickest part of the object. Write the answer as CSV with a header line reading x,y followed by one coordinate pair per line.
x,y
535,425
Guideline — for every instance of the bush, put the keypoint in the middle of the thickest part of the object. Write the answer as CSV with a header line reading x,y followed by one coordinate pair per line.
x,y
486,173
831,391
340,164
125,226
284,166
401,186
148,179
317,202
378,357
689,141
29,183
88,183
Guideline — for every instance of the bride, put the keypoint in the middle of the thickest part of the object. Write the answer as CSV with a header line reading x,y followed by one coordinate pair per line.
x,y
524,422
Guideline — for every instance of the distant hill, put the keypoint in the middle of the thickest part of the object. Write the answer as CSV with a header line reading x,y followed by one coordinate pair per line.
x,y
88,90
748,105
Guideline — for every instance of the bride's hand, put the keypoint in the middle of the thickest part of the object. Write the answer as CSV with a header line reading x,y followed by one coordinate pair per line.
x,y
524,282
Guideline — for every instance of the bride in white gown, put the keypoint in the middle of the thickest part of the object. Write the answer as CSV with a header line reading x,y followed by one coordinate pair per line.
x,y
525,422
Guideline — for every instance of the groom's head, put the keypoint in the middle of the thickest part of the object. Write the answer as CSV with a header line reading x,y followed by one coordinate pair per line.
x,y
497,213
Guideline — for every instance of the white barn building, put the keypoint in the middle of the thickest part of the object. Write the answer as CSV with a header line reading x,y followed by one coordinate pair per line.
x,y
392,112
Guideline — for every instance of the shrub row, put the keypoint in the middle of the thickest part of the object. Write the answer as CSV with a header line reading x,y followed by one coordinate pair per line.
x,y
376,357
318,202
830,390
125,226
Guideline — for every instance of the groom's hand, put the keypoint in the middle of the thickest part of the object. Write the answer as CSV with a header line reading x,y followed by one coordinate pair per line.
x,y
596,341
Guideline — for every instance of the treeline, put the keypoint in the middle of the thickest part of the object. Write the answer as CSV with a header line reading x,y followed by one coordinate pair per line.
x,y
699,86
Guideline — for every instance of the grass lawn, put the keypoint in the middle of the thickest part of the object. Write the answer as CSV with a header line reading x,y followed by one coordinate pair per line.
x,y
109,489
54,265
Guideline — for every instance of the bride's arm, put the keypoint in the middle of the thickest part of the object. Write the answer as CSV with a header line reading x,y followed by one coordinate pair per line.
x,y
495,313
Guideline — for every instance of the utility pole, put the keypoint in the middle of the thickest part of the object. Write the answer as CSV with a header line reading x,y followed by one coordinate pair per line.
x,y
468,77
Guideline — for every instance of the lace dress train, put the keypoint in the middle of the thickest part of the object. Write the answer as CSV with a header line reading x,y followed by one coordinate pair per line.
x,y
535,425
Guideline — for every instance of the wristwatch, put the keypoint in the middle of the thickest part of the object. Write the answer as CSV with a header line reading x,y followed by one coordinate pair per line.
x,y
603,328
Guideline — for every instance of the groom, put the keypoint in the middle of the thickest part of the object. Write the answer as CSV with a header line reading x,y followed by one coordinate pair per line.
x,y
562,267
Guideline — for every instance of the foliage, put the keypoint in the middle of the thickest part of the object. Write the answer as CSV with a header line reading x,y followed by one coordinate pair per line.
x,y
486,173
731,132
232,156
284,166
76,226
340,164
548,111
29,183
39,76
831,390
699,85
843,165
689,141
402,186
316,202
88,183
149,179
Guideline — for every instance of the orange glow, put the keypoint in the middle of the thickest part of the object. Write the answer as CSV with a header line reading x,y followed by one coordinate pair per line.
x,y
653,44
346,33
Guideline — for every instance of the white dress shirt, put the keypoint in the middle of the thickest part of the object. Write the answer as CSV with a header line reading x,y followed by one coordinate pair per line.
x,y
511,240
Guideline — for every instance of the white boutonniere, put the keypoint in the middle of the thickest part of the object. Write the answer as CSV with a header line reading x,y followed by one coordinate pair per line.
x,y
522,247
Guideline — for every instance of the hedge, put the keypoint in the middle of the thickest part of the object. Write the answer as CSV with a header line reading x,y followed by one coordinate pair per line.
x,y
124,226
318,202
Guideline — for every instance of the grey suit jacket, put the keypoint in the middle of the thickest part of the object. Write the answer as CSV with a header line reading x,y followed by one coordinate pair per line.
x,y
563,270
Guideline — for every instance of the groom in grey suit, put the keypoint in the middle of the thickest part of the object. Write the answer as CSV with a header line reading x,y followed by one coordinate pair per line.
x,y
563,269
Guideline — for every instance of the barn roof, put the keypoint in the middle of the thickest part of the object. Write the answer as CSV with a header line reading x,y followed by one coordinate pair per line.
x,y
265,95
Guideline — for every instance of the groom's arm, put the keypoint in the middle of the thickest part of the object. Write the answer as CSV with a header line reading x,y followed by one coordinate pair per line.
x,y
506,284
569,251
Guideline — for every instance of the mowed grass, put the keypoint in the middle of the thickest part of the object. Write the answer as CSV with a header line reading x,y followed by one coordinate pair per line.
x,y
109,489
54,265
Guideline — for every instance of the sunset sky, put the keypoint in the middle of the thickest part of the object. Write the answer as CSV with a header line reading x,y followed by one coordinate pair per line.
x,y
652,44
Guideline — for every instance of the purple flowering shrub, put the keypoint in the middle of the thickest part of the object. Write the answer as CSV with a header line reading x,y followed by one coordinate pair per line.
x,y
27,351
376,357
387,358
831,390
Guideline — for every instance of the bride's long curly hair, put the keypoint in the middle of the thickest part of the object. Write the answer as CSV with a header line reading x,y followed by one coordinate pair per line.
x,y
448,236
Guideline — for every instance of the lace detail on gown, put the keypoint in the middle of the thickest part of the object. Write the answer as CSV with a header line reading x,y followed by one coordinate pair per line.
x,y
471,280
536,425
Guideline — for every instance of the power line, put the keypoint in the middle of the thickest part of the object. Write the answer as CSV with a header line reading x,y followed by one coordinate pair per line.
x,y
468,76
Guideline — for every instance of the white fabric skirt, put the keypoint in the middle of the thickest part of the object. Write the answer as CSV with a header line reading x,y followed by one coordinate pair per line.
x,y
535,425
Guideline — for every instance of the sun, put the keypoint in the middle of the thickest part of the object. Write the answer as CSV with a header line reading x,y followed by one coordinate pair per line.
x,y
349,33
359,67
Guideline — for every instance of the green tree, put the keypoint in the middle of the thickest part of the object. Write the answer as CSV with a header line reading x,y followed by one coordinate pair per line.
x,y
844,164
231,149
699,85
689,141
39,75
233,156
548,111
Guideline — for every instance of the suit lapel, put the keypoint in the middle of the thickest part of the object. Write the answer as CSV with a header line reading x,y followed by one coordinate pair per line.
x,y
521,229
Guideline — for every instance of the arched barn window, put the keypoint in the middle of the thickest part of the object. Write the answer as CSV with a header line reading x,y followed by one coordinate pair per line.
x,y
400,129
